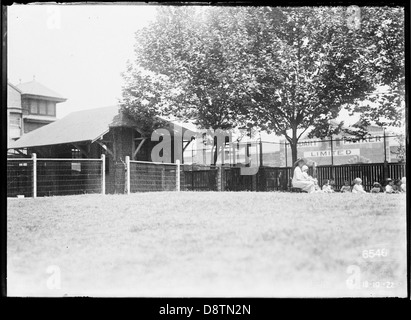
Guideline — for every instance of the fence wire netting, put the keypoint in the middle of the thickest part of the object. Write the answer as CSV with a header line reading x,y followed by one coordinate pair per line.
x,y
53,177
375,148
147,177
56,177
19,177
82,176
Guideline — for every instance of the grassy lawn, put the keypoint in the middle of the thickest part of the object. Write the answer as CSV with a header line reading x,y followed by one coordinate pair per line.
x,y
239,244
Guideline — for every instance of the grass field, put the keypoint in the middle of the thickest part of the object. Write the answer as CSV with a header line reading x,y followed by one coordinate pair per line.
x,y
242,244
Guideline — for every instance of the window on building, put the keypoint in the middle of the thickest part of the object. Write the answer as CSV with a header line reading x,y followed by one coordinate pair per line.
x,y
33,106
14,126
42,107
51,108
15,122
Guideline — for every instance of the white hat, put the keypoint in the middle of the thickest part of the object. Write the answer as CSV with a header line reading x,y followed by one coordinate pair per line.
x,y
357,180
304,168
299,160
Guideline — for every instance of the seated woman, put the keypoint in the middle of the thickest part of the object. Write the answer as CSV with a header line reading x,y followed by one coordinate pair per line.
x,y
300,180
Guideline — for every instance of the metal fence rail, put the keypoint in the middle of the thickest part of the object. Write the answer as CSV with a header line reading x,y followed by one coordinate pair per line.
x,y
368,173
145,176
32,177
234,181
279,178
273,179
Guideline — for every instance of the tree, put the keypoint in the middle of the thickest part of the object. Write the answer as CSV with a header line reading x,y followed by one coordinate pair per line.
x,y
275,69
382,41
325,65
144,96
185,52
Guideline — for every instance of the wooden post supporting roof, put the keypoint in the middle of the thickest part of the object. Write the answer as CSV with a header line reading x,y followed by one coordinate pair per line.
x,y
139,146
105,148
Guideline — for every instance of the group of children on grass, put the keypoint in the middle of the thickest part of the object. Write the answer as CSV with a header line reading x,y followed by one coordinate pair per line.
x,y
301,179
397,186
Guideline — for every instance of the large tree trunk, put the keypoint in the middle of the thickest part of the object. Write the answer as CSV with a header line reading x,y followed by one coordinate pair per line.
x,y
293,153
293,145
214,150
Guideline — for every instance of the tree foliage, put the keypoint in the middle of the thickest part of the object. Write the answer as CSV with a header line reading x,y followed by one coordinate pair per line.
x,y
280,70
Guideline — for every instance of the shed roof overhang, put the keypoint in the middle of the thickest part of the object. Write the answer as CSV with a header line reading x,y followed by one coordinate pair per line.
x,y
78,127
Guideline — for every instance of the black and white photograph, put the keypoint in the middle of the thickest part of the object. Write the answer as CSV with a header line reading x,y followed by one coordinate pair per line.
x,y
206,150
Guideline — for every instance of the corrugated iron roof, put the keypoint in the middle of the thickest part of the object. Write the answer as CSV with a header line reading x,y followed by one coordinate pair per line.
x,y
86,125
37,89
81,126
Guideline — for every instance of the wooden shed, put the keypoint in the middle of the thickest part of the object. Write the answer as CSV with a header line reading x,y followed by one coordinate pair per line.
x,y
89,134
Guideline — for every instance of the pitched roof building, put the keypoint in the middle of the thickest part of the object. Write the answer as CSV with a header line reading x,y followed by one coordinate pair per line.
x,y
91,133
30,105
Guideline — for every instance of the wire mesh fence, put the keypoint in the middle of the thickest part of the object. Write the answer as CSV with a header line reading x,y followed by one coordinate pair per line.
x,y
375,148
152,176
32,177
68,177
19,177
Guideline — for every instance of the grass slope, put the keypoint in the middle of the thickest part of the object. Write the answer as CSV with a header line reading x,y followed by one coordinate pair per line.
x,y
208,244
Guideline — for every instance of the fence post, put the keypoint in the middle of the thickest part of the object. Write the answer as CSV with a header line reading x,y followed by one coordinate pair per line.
x,y
103,174
34,158
178,175
385,173
128,174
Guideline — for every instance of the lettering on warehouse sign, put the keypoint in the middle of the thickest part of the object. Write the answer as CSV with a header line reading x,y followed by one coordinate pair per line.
x,y
343,141
376,139
335,153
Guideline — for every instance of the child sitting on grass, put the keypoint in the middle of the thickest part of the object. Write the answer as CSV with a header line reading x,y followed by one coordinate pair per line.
x,y
327,186
397,186
376,188
346,187
358,188
403,184
304,169
389,188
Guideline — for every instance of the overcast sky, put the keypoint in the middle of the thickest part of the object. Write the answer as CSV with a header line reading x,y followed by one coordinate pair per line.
x,y
78,51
